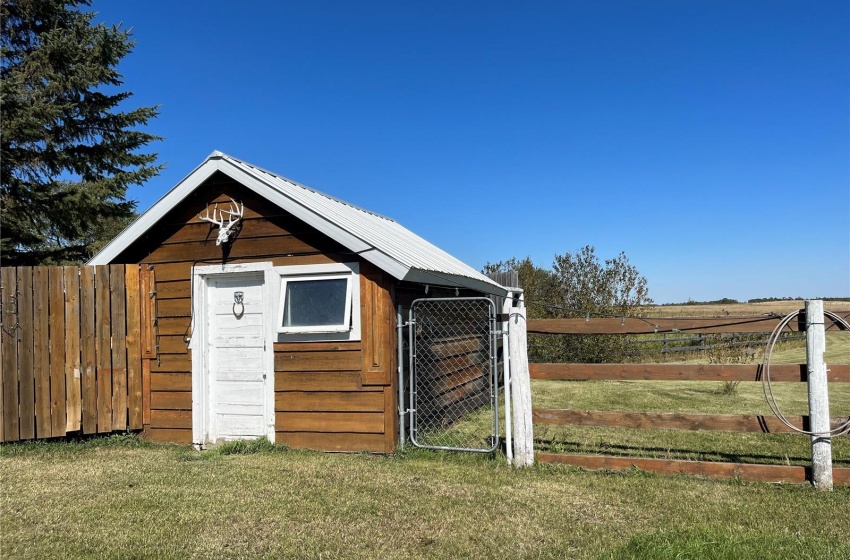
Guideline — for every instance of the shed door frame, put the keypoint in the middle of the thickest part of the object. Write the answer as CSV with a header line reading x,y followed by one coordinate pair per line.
x,y
202,276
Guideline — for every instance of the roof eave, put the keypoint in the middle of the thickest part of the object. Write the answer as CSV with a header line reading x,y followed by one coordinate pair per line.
x,y
430,277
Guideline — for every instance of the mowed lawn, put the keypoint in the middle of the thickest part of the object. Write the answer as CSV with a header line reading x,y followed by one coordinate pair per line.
x,y
122,499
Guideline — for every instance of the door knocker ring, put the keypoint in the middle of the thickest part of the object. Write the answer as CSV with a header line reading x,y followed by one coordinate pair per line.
x,y
238,299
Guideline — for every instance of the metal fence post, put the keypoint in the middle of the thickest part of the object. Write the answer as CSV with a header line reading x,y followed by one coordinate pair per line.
x,y
818,396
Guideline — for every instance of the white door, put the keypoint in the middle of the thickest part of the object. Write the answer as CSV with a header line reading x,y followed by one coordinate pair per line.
x,y
236,358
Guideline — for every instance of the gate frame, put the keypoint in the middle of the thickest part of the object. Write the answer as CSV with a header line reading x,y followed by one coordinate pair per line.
x,y
493,333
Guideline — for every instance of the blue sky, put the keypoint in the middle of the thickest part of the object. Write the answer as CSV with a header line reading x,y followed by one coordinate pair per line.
x,y
708,140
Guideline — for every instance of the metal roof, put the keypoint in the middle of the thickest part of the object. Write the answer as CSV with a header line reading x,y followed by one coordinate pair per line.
x,y
377,239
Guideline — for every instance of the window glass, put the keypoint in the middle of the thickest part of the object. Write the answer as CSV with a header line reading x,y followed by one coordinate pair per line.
x,y
309,303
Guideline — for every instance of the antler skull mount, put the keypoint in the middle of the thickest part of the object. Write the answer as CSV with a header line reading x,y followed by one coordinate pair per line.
x,y
217,217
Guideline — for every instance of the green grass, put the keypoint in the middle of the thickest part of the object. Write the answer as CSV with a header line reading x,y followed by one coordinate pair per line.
x,y
695,397
837,350
116,499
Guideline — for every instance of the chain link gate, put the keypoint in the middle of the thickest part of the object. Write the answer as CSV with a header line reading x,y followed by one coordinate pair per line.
x,y
453,383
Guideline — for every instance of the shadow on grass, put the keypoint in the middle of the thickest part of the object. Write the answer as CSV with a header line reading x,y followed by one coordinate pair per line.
x,y
653,452
74,444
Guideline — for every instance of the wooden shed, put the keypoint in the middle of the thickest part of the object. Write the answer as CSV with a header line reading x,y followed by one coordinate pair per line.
x,y
284,323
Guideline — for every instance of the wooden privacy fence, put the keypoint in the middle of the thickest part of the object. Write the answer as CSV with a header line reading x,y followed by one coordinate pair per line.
x,y
676,372
71,349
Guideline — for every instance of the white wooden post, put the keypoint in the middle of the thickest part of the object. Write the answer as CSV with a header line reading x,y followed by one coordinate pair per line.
x,y
523,433
506,378
818,396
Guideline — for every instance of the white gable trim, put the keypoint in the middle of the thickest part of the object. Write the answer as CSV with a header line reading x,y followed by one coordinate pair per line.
x,y
347,237
156,212
204,172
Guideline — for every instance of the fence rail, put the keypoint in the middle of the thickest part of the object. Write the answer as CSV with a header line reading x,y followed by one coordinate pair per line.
x,y
680,372
71,350
634,325
676,372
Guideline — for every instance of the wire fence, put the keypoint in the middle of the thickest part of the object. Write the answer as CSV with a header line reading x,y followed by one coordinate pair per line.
x,y
453,381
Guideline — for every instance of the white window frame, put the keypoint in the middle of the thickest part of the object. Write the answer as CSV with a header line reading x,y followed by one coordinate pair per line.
x,y
349,329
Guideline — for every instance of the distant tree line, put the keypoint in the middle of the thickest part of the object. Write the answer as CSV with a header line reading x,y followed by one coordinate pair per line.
x,y
578,285
729,301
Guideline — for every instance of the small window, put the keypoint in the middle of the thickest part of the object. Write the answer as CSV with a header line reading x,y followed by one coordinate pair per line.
x,y
316,299
316,305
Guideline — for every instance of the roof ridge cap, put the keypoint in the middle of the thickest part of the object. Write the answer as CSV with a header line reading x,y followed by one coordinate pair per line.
x,y
303,186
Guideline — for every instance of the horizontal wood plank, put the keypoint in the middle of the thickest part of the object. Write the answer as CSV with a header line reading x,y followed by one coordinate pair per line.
x,y
318,381
167,435
371,400
680,372
171,381
168,272
330,422
453,346
171,419
182,270
630,325
171,400
209,251
670,420
169,326
175,363
335,346
344,360
181,307
756,473
455,363
251,228
174,290
341,442
172,344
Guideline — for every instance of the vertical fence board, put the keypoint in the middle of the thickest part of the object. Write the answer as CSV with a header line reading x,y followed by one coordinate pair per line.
x,y
26,375
103,333
73,407
41,352
134,347
88,353
2,381
10,354
119,348
71,350
57,350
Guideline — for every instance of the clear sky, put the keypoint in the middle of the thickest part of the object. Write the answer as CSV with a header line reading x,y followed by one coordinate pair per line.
x,y
708,140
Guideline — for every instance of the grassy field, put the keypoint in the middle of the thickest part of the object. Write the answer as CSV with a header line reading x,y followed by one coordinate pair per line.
x,y
738,309
119,497
122,499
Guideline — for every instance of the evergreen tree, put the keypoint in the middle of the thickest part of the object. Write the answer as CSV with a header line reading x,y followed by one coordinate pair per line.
x,y
68,152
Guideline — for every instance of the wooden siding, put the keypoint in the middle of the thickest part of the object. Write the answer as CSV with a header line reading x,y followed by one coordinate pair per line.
x,y
336,396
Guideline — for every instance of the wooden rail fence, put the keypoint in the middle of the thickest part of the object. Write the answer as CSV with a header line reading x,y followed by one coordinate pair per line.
x,y
72,350
676,372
